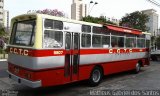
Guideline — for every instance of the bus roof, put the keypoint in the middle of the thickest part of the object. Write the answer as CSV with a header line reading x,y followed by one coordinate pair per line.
x,y
57,18
108,26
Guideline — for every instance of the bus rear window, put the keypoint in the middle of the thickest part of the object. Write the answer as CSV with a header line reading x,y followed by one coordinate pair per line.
x,y
23,33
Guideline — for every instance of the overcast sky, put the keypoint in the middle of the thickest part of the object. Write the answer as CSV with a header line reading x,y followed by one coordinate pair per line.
x,y
109,8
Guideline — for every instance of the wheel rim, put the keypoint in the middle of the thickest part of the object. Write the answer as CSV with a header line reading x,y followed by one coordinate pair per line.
x,y
137,67
96,76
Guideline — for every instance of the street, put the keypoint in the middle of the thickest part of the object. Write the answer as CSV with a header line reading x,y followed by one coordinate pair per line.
x,y
147,79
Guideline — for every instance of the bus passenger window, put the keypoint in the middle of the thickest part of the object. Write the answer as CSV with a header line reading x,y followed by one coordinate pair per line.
x,y
96,41
140,43
53,39
114,41
86,28
130,42
86,40
147,43
105,41
53,24
120,41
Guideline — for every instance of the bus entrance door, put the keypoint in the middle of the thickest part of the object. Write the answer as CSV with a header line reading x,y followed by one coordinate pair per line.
x,y
72,45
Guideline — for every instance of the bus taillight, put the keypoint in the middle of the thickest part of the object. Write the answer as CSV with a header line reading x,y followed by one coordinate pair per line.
x,y
28,76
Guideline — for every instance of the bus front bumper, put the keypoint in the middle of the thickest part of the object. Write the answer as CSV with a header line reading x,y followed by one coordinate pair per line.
x,y
23,81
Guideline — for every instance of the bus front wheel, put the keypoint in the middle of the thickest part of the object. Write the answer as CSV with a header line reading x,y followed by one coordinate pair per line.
x,y
95,76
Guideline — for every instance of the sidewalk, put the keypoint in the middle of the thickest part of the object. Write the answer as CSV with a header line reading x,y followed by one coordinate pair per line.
x,y
3,59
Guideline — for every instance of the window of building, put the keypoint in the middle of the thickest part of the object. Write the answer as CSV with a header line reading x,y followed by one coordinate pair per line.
x,y
86,40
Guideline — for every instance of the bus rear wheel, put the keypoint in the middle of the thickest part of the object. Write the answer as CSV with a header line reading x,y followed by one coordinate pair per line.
x,y
95,76
138,68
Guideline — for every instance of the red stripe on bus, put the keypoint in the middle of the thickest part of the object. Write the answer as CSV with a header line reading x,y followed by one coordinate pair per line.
x,y
41,53
62,52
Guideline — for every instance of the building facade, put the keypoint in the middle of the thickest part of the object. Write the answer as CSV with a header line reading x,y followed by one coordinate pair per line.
x,y
4,15
78,10
6,18
152,24
1,11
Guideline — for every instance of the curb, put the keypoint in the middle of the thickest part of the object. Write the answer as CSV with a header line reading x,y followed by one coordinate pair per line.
x,y
3,59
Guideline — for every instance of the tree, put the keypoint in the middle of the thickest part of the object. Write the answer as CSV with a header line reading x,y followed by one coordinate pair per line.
x,y
53,12
135,20
100,19
2,32
4,36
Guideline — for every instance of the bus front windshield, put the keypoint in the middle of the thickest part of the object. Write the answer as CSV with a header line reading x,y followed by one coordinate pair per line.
x,y
23,33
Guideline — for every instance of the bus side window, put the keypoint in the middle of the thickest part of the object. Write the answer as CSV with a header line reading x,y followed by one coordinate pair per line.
x,y
130,42
140,42
96,41
53,39
105,41
114,41
120,41
53,24
86,40
114,44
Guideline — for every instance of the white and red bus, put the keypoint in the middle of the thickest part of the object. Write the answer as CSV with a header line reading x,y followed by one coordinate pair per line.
x,y
47,51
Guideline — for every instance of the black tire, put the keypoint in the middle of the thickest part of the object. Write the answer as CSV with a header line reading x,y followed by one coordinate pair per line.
x,y
95,76
137,68
154,58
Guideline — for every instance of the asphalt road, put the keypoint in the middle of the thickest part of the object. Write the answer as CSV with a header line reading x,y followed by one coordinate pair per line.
x,y
147,79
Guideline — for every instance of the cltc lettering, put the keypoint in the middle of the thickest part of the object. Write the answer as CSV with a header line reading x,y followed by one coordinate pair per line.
x,y
19,51
120,50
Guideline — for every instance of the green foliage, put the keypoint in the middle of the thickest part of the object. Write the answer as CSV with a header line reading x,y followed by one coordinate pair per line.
x,y
2,32
135,20
2,51
100,19
4,35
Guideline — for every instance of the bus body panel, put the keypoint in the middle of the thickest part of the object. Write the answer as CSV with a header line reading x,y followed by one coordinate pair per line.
x,y
52,71
36,63
55,76
39,62
37,66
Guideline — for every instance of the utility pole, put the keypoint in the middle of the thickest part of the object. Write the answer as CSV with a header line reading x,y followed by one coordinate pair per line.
x,y
89,10
154,2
